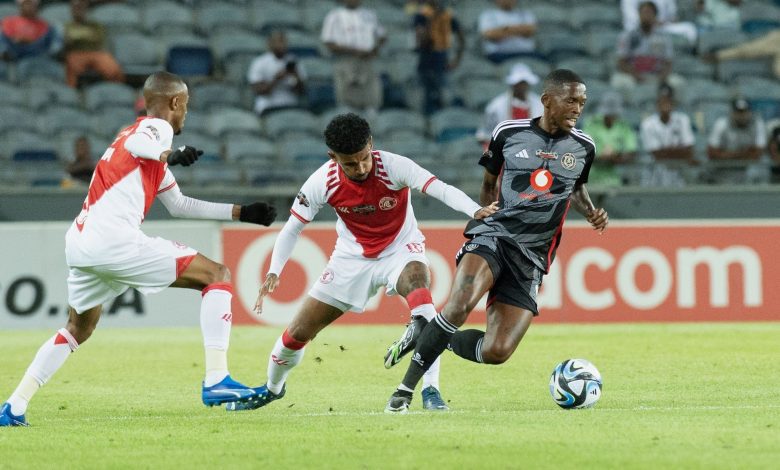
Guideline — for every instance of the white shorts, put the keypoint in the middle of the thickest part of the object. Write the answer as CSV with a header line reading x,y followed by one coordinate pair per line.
x,y
348,283
158,264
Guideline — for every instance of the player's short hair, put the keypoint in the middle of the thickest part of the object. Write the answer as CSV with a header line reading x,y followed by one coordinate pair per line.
x,y
558,78
163,83
347,134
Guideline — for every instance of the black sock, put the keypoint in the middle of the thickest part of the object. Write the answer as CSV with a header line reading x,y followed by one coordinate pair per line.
x,y
468,344
431,343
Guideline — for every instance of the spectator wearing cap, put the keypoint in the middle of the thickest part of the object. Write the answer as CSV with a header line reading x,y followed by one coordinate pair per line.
x,y
739,137
435,27
668,139
615,140
518,102
507,31
26,34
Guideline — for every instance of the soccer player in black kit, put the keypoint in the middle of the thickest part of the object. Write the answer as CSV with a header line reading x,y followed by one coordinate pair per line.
x,y
536,168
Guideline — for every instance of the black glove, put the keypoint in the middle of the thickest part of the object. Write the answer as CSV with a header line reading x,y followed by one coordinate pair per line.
x,y
258,213
184,156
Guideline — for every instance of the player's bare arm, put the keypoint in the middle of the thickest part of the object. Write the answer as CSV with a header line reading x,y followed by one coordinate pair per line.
x,y
596,217
489,191
270,284
486,211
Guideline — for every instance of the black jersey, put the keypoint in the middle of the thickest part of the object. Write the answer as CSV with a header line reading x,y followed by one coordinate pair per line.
x,y
537,173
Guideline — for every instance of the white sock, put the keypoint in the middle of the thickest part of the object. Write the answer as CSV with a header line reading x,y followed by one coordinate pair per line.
x,y
431,376
287,353
215,321
50,357
427,311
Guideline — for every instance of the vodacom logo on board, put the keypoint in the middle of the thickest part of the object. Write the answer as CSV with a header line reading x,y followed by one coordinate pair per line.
x,y
634,272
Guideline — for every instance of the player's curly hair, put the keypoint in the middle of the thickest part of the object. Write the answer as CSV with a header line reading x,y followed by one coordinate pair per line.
x,y
347,134
558,78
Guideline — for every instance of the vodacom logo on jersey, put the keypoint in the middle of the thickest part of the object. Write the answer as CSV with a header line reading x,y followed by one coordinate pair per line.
x,y
639,271
541,179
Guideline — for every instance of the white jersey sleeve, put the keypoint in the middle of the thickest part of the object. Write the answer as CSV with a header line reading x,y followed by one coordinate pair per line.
x,y
152,137
312,195
179,205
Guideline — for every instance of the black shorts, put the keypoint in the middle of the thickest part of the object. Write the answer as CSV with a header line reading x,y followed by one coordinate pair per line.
x,y
516,279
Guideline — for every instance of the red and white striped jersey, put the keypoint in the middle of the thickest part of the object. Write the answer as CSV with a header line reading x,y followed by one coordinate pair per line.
x,y
375,215
120,194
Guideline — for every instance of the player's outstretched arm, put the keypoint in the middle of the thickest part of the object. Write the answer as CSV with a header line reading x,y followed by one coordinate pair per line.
x,y
596,217
458,200
260,213
184,156
283,247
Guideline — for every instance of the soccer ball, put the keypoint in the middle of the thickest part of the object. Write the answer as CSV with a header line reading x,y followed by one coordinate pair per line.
x,y
575,383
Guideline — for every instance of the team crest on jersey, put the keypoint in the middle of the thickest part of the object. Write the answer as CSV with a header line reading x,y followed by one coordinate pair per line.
x,y
568,161
487,154
364,209
327,276
546,155
302,200
154,132
470,247
387,203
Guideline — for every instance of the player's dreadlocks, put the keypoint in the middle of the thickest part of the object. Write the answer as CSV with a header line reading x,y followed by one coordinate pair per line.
x,y
347,134
558,78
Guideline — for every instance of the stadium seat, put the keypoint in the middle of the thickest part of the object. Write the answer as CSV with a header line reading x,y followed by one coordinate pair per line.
x,y
39,67
197,122
237,67
597,42
118,17
138,54
758,27
453,123
41,93
551,16
317,67
57,118
400,69
11,95
65,140
214,94
559,44
477,93
32,155
539,66
109,95
700,90
767,108
258,176
12,140
398,41
216,175
167,15
251,151
190,61
233,119
692,67
213,16
111,120
226,45
595,16
758,87
586,67
392,120
462,152
303,44
712,111
279,123
710,41
212,148
178,38
730,70
36,173
391,16
271,15
474,66
303,155
320,94
314,13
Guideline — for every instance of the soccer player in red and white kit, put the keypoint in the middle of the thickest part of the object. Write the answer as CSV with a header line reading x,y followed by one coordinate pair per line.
x,y
107,253
378,245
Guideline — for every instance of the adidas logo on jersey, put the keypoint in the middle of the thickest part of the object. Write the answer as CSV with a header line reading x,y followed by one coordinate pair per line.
x,y
522,154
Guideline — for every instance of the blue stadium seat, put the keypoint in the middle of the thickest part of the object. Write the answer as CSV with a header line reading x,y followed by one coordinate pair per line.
x,y
759,27
320,95
190,61
767,108
33,155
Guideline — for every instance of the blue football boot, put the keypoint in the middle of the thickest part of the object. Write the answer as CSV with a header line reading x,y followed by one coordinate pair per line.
x,y
226,391
262,396
9,419
432,400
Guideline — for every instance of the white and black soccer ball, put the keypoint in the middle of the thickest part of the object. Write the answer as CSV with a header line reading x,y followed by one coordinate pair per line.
x,y
575,383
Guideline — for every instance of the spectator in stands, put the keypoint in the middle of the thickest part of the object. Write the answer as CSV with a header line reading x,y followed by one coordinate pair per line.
x,y
85,47
434,29
81,168
667,136
276,77
507,31
644,54
719,14
740,137
519,102
764,46
666,18
615,140
354,36
774,153
26,34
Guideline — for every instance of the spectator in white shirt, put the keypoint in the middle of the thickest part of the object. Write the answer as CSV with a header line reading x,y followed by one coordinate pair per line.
x,y
667,136
276,77
519,102
739,138
354,36
507,31
719,14
668,22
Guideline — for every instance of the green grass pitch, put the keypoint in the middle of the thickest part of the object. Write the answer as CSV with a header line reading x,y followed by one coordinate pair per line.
x,y
675,396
